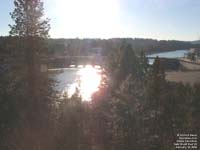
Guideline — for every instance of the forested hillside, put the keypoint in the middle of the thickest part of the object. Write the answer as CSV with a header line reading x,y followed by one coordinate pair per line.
x,y
81,46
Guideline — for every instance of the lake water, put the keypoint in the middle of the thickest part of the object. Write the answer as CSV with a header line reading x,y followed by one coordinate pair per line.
x,y
170,54
87,79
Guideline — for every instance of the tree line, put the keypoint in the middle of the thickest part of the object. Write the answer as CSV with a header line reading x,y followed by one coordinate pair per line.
x,y
82,46
77,47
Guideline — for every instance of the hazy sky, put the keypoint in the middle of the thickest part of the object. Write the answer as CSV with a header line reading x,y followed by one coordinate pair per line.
x,y
158,19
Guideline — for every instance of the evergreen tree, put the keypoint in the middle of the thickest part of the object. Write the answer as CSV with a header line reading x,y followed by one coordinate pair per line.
x,y
156,86
129,62
28,17
32,30
125,62
124,113
73,124
30,91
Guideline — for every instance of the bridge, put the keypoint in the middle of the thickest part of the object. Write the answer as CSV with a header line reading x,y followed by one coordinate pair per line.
x,y
67,61
98,60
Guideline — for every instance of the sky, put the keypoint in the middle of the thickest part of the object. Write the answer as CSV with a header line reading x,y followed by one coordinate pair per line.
x,y
157,19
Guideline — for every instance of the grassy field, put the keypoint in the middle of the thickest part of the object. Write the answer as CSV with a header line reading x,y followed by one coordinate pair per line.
x,y
185,77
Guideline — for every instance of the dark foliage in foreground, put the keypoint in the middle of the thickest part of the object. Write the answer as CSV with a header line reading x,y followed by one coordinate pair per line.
x,y
143,110
135,109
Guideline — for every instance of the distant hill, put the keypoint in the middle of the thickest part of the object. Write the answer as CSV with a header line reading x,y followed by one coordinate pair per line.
x,y
84,46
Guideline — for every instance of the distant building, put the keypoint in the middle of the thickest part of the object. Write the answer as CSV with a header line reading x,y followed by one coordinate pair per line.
x,y
194,50
192,59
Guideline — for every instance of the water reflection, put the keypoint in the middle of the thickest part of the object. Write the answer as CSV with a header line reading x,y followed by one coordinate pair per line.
x,y
87,81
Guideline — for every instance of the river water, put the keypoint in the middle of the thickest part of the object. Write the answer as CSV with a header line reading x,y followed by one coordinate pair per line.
x,y
84,79
87,79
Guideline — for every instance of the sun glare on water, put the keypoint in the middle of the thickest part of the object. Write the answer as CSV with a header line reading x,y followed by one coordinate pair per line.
x,y
88,81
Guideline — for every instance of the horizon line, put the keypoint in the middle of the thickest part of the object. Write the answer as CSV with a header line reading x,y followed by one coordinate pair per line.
x,y
99,38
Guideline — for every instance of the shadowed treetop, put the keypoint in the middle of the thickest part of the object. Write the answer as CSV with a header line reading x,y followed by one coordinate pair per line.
x,y
28,18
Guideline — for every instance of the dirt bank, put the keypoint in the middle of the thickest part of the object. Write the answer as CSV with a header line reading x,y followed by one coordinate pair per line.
x,y
185,77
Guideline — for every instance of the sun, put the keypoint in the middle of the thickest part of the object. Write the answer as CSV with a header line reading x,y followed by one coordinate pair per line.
x,y
86,18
